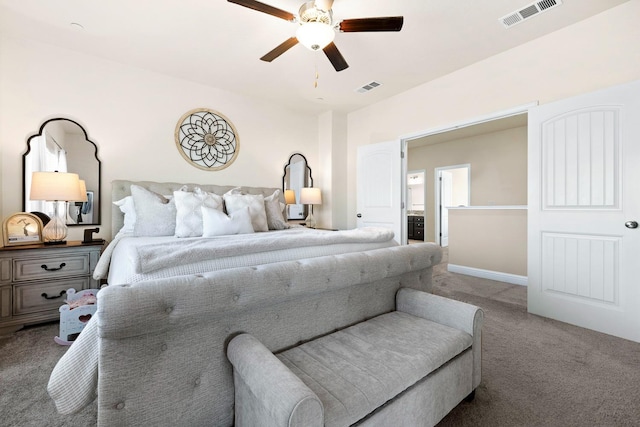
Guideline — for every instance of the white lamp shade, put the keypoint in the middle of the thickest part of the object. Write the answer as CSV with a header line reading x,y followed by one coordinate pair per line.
x,y
310,196
315,35
55,186
290,197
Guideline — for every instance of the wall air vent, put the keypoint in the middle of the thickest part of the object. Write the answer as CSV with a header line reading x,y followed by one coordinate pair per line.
x,y
529,11
368,87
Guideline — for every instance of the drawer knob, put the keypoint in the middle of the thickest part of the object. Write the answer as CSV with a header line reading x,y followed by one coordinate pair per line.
x,y
45,296
44,266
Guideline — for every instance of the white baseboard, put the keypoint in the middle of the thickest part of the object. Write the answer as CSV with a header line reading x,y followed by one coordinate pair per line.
x,y
488,274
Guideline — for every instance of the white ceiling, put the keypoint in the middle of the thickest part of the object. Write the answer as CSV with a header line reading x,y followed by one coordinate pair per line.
x,y
219,44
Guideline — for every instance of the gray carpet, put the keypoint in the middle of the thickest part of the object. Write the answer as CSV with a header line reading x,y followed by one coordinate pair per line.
x,y
541,372
536,371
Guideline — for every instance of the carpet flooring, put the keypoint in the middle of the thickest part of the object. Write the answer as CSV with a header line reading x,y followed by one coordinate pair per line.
x,y
536,371
541,372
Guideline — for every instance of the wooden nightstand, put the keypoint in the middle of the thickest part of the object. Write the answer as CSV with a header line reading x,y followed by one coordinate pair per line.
x,y
34,279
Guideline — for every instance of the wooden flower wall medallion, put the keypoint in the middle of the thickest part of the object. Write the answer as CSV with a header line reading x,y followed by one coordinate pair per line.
x,y
207,139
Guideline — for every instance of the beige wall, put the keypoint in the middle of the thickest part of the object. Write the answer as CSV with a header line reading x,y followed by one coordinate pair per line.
x,y
489,239
595,53
498,168
131,115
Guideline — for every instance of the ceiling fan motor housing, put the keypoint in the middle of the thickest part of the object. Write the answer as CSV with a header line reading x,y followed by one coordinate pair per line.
x,y
310,13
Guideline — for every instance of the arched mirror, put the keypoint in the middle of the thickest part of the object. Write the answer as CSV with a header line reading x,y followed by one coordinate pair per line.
x,y
62,145
297,174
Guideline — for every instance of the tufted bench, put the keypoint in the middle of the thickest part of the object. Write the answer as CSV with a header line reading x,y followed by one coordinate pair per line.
x,y
406,367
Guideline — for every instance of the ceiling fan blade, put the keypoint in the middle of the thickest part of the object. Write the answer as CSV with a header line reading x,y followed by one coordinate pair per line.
x,y
336,58
323,4
265,8
280,49
385,23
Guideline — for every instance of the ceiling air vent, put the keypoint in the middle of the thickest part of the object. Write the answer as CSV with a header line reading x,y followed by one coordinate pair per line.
x,y
368,87
528,11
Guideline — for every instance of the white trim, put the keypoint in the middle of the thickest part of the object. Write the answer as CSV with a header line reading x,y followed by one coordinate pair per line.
x,y
505,207
520,109
488,274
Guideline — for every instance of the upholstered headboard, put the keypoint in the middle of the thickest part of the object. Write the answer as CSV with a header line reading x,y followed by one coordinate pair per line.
x,y
122,188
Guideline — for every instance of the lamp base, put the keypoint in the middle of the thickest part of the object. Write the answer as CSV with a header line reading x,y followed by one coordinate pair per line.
x,y
310,221
55,231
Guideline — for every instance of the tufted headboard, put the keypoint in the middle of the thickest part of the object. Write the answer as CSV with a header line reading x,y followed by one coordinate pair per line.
x,y
122,188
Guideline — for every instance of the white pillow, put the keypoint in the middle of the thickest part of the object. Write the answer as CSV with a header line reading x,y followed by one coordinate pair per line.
x,y
189,212
127,208
273,210
217,223
255,202
155,214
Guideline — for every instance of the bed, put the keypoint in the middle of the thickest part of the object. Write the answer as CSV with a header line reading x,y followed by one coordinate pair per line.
x,y
137,256
163,325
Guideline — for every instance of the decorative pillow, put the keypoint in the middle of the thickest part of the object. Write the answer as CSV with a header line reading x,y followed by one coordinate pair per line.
x,y
128,209
273,209
189,212
155,214
255,203
217,223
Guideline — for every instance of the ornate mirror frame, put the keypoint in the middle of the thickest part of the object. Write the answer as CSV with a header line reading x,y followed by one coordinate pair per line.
x,y
297,174
81,157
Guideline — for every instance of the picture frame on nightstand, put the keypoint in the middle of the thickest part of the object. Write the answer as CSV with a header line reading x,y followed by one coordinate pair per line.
x,y
22,228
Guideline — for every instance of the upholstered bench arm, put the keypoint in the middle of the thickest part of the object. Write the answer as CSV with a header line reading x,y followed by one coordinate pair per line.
x,y
448,312
267,392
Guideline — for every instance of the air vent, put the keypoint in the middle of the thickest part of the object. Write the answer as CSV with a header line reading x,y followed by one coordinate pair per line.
x,y
368,87
528,11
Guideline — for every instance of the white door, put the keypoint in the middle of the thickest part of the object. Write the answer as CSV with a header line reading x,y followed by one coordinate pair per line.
x,y
446,190
379,187
584,169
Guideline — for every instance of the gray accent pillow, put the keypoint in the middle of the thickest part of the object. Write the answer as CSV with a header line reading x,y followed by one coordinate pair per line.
x,y
273,208
155,214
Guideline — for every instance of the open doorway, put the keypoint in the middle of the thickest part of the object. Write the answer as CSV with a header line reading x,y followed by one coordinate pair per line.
x,y
453,189
416,194
496,148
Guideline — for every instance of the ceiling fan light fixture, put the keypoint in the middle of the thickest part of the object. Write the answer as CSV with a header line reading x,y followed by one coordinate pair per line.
x,y
315,35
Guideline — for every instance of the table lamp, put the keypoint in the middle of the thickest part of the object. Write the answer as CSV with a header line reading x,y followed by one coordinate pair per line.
x,y
290,197
310,196
59,188
81,200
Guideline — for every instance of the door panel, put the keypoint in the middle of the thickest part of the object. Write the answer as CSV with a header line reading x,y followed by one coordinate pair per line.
x,y
583,163
379,187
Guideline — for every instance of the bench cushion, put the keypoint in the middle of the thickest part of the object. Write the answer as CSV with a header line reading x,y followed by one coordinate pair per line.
x,y
358,369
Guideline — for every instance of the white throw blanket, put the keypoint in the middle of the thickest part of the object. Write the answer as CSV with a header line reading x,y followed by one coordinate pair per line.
x,y
153,257
157,256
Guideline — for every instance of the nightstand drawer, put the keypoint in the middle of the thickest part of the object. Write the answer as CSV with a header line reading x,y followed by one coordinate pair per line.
x,y
28,298
50,267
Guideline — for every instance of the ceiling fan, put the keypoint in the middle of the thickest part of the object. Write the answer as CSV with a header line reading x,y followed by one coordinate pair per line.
x,y
316,30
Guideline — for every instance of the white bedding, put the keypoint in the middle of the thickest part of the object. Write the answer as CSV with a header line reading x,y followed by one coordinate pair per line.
x,y
134,259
